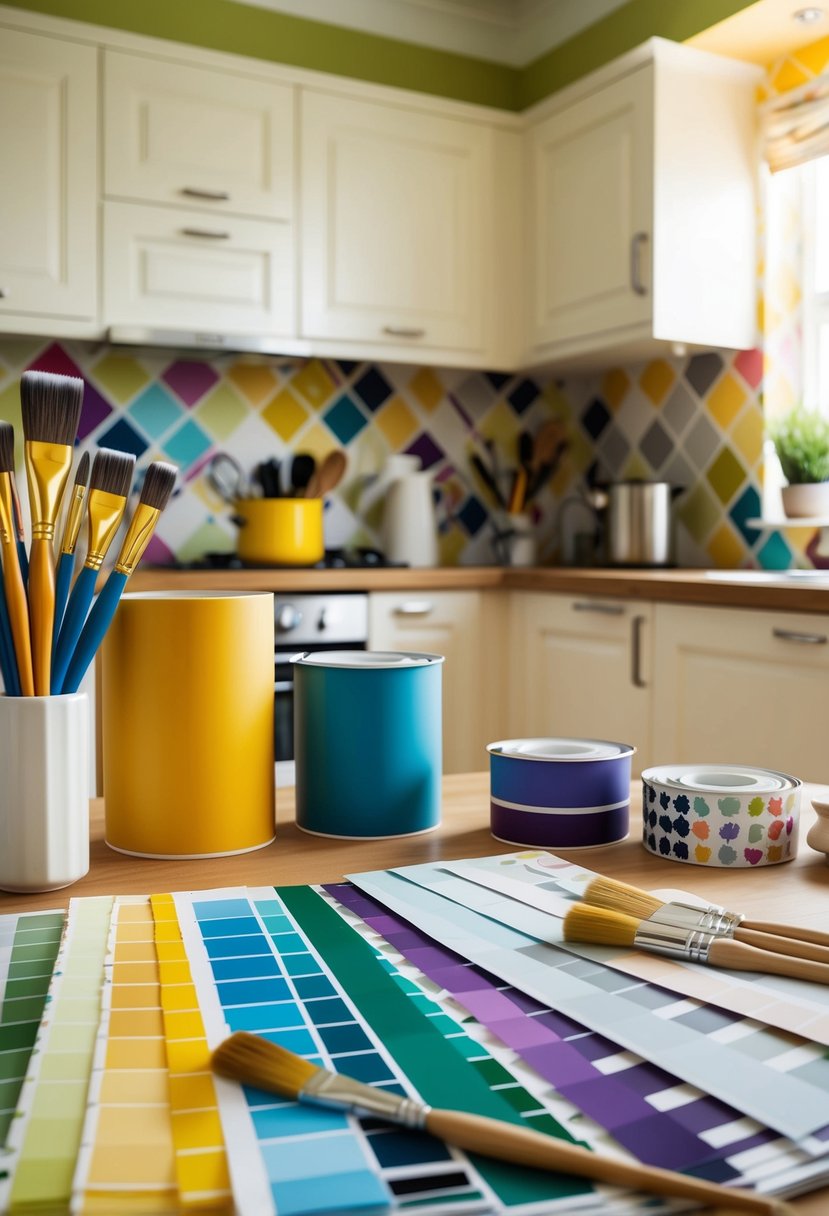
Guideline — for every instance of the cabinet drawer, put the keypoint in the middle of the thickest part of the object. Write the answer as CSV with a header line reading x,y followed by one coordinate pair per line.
x,y
196,137
188,270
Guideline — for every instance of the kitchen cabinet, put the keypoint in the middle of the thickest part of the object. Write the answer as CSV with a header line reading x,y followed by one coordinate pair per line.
x,y
641,210
740,686
461,626
580,667
48,154
196,137
397,229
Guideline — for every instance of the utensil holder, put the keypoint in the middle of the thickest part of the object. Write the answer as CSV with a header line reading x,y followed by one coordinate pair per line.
x,y
44,792
280,531
187,724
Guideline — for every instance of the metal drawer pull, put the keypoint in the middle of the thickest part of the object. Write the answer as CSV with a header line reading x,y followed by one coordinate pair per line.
x,y
283,685
213,196
398,331
414,608
804,639
206,234
595,606
636,626
636,242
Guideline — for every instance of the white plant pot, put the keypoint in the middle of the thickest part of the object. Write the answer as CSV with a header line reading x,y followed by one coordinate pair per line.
x,y
807,499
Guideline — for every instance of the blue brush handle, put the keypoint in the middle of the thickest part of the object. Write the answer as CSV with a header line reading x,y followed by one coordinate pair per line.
x,y
8,659
73,622
63,581
24,561
97,623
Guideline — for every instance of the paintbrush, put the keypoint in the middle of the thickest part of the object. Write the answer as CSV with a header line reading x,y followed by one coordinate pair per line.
x,y
20,530
254,1061
51,408
66,561
603,927
109,487
621,897
13,586
155,494
8,656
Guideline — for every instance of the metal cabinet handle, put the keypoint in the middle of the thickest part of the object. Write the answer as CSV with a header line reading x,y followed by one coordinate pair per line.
x,y
206,234
400,331
636,627
212,196
804,639
3,293
414,608
636,242
597,606
283,686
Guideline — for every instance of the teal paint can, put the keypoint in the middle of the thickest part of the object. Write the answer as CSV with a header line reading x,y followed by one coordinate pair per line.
x,y
367,743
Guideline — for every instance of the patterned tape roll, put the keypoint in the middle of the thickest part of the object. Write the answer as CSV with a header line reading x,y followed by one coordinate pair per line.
x,y
720,815
559,793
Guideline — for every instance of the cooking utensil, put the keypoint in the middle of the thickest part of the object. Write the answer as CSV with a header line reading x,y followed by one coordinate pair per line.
x,y
640,523
267,474
548,447
487,476
227,477
302,469
280,531
328,476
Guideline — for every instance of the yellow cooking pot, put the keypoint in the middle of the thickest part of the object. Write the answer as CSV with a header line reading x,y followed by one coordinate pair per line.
x,y
280,531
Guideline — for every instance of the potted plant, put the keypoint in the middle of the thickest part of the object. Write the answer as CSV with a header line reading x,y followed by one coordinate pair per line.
x,y
801,440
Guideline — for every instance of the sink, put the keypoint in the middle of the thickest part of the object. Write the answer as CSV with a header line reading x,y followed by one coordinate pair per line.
x,y
813,577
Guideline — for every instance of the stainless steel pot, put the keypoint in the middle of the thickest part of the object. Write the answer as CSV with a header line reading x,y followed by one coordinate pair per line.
x,y
640,523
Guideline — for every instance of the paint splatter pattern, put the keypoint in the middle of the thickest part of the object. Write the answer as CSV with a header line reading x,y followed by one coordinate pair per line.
x,y
719,831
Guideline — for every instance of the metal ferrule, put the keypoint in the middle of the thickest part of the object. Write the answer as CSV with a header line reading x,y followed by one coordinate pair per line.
x,y
47,469
686,916
142,526
675,941
18,512
330,1089
74,519
6,510
105,513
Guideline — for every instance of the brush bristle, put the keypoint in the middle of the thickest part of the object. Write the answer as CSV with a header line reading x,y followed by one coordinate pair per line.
x,y
82,471
159,483
599,926
255,1061
112,472
51,407
6,447
621,897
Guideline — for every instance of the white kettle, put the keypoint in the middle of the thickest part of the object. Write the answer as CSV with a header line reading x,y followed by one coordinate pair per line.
x,y
409,523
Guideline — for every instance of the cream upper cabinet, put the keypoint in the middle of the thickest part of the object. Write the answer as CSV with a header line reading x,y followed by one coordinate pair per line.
x,y
738,686
455,624
641,210
177,133
395,226
48,158
581,668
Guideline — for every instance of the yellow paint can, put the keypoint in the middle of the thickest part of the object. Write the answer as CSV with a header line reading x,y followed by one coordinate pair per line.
x,y
187,724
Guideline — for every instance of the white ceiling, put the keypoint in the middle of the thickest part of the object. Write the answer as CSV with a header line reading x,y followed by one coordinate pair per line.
x,y
513,32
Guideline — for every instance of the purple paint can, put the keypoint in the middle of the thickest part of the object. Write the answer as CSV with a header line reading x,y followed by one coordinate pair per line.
x,y
559,793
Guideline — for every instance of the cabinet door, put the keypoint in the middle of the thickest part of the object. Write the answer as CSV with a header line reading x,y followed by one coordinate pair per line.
x,y
736,686
395,227
197,137
187,270
590,191
581,669
48,133
448,623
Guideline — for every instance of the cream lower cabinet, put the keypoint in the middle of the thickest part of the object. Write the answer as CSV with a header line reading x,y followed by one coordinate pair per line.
x,y
580,667
737,686
462,626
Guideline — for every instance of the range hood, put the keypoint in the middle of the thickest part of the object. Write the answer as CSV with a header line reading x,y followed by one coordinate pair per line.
x,y
208,340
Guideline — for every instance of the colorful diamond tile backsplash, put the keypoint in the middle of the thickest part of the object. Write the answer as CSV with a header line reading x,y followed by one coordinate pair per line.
x,y
697,422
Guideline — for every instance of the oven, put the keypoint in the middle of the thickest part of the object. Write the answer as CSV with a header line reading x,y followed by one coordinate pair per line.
x,y
335,621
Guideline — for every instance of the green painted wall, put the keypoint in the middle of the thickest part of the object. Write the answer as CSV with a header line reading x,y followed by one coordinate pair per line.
x,y
262,34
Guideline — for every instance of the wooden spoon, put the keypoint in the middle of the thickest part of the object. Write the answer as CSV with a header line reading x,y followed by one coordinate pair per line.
x,y
328,476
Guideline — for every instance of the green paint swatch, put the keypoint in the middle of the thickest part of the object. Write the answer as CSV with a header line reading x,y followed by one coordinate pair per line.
x,y
439,1072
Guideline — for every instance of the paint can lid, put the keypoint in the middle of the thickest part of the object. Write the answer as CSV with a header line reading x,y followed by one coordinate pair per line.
x,y
560,749
720,778
362,660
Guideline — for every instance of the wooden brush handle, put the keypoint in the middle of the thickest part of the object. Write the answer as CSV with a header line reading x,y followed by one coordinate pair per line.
x,y
42,612
521,1146
737,956
782,945
18,618
793,931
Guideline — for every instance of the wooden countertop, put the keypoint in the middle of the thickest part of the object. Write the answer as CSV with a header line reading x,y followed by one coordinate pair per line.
x,y
797,891
666,586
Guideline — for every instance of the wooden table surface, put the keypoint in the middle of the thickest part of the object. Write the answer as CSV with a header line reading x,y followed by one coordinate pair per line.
x,y
797,891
